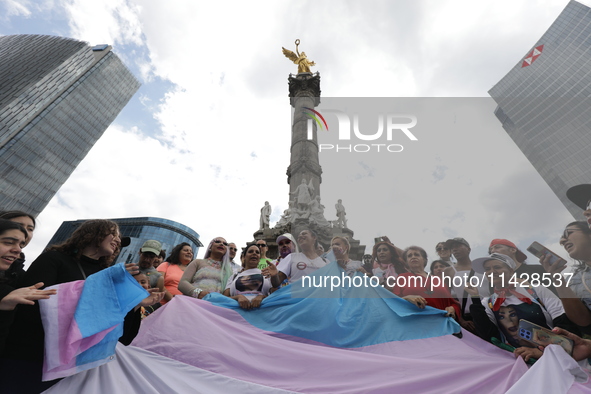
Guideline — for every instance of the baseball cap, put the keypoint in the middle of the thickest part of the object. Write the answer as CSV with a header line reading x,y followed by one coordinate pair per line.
x,y
499,241
458,240
580,195
151,246
284,236
478,264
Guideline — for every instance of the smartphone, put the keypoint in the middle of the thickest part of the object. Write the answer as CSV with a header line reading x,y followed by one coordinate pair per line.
x,y
541,336
539,250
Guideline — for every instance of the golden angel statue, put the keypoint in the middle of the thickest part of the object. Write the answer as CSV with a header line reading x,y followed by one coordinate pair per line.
x,y
300,59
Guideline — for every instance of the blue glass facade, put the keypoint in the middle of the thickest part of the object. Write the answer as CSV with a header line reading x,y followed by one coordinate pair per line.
x,y
168,232
544,104
57,97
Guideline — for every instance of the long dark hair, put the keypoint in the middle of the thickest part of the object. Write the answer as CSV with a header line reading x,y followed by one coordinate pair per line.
x,y
175,254
14,271
443,262
17,214
395,259
6,225
90,233
584,227
243,253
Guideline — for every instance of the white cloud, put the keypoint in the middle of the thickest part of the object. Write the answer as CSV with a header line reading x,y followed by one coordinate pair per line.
x,y
16,8
104,22
223,146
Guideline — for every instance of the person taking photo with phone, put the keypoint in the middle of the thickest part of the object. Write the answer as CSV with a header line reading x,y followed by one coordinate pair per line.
x,y
521,301
576,292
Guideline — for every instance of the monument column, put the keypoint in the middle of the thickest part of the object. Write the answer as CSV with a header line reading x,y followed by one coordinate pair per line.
x,y
304,174
304,92
304,165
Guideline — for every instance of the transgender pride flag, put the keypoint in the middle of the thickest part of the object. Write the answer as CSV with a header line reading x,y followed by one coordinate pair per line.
x,y
351,340
83,321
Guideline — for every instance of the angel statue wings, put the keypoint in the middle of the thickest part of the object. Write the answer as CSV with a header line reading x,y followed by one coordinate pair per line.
x,y
300,59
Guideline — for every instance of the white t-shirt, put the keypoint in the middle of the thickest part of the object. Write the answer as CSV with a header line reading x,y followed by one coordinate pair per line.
x,y
552,305
352,267
235,267
297,265
249,283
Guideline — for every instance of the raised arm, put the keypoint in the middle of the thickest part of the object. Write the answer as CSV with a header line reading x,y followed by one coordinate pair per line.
x,y
25,295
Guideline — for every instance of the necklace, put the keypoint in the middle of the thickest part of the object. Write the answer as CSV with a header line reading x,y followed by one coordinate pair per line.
x,y
214,263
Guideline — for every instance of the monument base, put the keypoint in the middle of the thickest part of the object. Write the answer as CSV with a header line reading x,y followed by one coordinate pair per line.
x,y
325,235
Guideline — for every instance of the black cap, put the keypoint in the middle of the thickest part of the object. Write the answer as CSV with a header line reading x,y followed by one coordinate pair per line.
x,y
580,195
457,240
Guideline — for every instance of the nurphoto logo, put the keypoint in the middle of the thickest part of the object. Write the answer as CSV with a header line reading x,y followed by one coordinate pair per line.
x,y
389,126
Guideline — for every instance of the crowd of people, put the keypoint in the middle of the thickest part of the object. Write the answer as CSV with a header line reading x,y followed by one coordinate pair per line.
x,y
506,290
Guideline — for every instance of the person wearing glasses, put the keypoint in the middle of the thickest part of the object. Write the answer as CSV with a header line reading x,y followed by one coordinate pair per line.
x,y
264,261
444,252
287,245
210,274
235,266
172,270
576,297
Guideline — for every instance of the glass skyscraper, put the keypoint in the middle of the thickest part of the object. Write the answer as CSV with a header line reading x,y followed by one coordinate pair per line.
x,y
57,97
167,232
544,102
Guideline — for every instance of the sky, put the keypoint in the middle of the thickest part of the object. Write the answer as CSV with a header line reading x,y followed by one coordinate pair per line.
x,y
205,141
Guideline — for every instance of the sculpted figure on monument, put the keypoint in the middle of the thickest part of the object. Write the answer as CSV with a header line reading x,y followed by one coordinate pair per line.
x,y
287,216
317,213
265,214
300,59
341,220
303,195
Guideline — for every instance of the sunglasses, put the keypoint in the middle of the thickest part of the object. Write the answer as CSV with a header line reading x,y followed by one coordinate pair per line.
x,y
262,245
234,249
217,241
441,249
284,242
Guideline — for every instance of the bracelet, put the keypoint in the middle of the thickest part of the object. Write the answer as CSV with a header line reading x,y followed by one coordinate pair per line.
x,y
196,293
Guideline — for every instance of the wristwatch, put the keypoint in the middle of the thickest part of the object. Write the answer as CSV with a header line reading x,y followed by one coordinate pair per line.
x,y
196,292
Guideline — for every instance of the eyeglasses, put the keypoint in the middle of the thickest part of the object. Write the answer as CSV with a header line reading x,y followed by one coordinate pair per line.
x,y
284,242
218,241
234,249
262,245
569,231
440,249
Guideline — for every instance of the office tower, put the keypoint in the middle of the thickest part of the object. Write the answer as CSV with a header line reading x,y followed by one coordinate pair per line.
x,y
167,232
543,102
57,97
